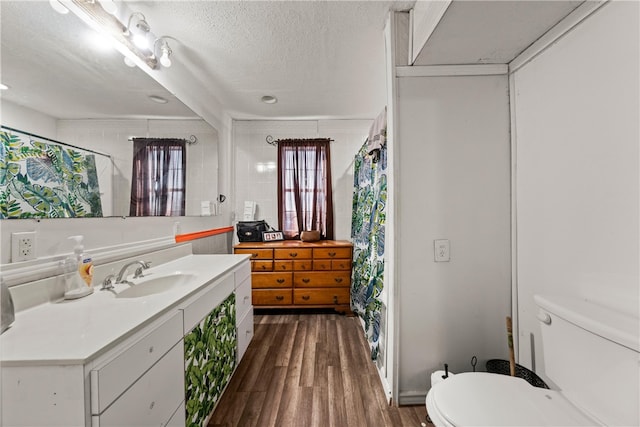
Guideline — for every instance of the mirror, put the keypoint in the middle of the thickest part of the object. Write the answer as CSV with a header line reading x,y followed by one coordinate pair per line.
x,y
52,66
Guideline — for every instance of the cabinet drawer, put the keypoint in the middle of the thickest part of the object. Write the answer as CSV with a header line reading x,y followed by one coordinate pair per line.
x,y
341,264
331,253
271,280
292,253
322,264
336,296
261,265
178,417
245,333
271,297
153,399
242,272
303,265
256,253
109,381
197,307
315,279
243,298
282,265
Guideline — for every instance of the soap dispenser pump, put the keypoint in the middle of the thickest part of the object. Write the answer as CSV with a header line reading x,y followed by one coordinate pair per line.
x,y
79,271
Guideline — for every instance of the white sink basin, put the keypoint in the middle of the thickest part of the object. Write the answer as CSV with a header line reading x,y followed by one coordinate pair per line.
x,y
153,284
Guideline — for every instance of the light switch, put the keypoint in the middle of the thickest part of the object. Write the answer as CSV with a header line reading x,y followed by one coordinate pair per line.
x,y
441,250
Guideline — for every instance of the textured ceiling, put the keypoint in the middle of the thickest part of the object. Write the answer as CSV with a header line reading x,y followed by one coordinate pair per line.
x,y
319,58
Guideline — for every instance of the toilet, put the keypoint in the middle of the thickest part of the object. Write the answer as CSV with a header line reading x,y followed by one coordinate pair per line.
x,y
591,355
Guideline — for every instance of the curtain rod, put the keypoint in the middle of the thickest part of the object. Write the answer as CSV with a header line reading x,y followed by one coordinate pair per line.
x,y
192,139
274,142
33,135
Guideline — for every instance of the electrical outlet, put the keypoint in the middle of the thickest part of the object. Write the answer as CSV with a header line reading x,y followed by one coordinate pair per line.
x,y
23,246
441,250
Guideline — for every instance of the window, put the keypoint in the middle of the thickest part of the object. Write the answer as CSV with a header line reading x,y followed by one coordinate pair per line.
x,y
158,180
305,200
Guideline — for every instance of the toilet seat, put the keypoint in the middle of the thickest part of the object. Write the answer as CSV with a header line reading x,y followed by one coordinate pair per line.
x,y
475,399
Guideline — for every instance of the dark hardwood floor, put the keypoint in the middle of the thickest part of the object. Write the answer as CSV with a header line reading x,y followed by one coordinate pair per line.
x,y
309,369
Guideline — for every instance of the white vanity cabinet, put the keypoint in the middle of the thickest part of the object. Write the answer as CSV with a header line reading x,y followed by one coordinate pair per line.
x,y
140,383
244,308
140,376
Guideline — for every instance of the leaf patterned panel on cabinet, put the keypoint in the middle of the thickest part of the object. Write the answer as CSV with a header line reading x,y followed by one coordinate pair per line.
x,y
210,359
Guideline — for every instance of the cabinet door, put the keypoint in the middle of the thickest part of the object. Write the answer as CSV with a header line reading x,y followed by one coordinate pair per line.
x,y
152,400
210,358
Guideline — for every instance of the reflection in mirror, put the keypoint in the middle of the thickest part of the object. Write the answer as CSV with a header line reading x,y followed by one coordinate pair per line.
x,y
42,178
95,101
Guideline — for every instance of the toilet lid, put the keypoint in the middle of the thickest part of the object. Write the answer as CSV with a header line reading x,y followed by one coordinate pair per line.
x,y
473,399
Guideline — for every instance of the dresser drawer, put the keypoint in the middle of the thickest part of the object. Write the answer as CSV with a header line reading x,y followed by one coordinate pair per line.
x,y
152,400
331,253
292,253
322,264
110,380
261,265
256,253
316,279
271,280
271,297
335,296
341,264
283,265
303,265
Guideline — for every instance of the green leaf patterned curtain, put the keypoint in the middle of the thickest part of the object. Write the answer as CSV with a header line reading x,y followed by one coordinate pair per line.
x,y
367,233
42,180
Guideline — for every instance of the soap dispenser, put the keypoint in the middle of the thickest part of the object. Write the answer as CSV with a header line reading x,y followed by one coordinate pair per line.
x,y
78,272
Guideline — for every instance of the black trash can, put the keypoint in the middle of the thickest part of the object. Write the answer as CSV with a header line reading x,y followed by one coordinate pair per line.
x,y
499,366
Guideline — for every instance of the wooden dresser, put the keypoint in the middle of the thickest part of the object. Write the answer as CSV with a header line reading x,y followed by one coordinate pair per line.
x,y
295,274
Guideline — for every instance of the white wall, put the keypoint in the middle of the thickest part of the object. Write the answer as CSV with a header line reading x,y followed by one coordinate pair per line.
x,y
256,164
18,117
112,137
577,116
453,182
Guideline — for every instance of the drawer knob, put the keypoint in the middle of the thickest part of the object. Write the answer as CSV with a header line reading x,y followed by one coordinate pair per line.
x,y
280,280
246,297
306,280
279,297
338,279
293,254
264,267
335,299
254,255
305,297
151,349
332,254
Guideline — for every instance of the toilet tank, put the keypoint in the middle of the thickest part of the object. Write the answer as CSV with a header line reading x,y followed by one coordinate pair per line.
x,y
592,354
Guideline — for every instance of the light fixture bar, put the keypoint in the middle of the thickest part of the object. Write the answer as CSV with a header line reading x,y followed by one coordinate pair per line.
x,y
102,21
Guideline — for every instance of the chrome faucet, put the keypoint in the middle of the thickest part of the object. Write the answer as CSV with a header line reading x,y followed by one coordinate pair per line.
x,y
143,265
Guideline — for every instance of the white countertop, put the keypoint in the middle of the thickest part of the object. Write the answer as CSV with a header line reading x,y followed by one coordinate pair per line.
x,y
70,332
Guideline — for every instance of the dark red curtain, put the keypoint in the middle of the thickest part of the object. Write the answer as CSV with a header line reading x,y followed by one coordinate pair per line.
x,y
305,199
158,181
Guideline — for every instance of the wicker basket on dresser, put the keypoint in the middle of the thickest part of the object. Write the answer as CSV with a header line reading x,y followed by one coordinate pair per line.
x,y
295,274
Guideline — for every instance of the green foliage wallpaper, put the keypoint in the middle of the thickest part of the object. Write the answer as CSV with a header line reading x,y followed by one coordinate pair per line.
x,y
210,358
42,180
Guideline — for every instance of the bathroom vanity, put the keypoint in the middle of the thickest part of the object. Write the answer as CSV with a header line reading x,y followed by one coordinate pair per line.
x,y
159,352
300,274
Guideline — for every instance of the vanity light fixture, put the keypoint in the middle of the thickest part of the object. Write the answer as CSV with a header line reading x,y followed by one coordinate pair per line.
x,y
165,51
140,35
